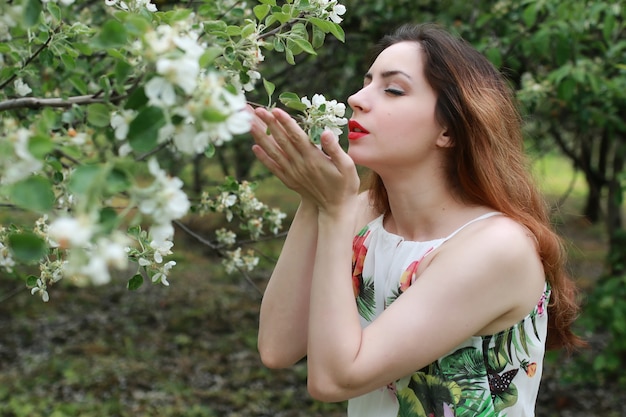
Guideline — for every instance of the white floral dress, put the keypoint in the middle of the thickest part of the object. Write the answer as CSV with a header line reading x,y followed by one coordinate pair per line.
x,y
485,376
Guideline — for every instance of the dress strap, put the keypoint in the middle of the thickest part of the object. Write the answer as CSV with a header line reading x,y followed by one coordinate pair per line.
x,y
484,216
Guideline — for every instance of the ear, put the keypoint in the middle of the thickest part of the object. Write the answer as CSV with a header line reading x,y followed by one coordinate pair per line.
x,y
444,140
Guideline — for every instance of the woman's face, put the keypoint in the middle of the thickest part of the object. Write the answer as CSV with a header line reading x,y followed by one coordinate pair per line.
x,y
393,121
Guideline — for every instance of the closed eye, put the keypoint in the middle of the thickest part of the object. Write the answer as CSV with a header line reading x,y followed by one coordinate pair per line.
x,y
394,92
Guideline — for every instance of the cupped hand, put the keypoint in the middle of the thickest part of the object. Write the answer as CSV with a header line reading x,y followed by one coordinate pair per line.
x,y
329,178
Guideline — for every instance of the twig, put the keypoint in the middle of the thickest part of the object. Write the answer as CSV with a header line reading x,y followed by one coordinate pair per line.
x,y
37,103
152,152
217,250
11,294
286,25
30,59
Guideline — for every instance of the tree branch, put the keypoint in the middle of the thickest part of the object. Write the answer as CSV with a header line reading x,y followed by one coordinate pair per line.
x,y
37,103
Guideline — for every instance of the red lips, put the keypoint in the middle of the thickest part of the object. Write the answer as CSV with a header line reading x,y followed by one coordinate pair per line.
x,y
356,131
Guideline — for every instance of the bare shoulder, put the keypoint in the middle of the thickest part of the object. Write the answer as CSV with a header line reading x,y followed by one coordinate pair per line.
x,y
498,258
502,241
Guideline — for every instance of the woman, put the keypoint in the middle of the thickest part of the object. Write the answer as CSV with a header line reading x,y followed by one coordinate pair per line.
x,y
436,291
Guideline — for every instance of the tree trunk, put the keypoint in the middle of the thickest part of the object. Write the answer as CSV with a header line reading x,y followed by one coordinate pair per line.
x,y
615,231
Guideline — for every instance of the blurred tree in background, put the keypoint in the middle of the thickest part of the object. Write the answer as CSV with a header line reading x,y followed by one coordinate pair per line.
x,y
566,60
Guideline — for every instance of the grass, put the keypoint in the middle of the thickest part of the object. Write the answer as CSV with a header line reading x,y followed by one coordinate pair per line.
x,y
186,350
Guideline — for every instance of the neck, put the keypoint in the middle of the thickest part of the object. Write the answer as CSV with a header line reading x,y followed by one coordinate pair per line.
x,y
426,209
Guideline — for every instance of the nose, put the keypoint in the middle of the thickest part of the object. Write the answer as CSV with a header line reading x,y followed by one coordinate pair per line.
x,y
357,101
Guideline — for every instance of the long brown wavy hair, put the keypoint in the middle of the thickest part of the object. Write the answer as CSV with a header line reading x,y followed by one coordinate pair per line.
x,y
487,164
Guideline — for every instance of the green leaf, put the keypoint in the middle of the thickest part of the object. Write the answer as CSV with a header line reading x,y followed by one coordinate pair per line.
x,y
85,178
108,219
32,11
209,152
279,45
289,56
27,246
233,30
269,88
530,14
33,193
122,70
118,181
137,25
261,10
68,62
292,101
317,38
337,32
315,134
281,17
135,282
54,10
31,280
136,100
494,55
98,114
248,30
39,146
210,55
322,24
304,45
566,89
79,84
213,115
113,35
143,131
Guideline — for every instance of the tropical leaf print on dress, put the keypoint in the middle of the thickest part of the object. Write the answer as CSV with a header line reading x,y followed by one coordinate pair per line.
x,y
363,287
428,396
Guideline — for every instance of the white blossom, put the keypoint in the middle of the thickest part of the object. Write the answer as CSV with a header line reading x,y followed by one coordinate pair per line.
x,y
71,232
160,92
182,72
253,76
164,200
226,237
132,5
120,121
21,88
189,141
6,260
337,11
96,270
161,275
41,289
22,163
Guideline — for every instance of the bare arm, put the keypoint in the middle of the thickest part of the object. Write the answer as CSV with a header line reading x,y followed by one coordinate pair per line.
x,y
285,149
283,325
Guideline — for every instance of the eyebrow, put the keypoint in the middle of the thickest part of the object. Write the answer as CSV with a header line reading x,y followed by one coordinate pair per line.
x,y
387,74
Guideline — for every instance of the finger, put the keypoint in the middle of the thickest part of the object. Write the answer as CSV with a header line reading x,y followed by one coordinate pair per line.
x,y
269,163
265,130
294,133
332,148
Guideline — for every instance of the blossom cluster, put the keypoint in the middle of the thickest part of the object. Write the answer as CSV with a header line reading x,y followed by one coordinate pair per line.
x,y
329,9
321,114
201,107
238,200
163,201
131,5
6,258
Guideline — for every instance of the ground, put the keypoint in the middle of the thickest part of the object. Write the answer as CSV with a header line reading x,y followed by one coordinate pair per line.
x,y
186,350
